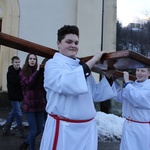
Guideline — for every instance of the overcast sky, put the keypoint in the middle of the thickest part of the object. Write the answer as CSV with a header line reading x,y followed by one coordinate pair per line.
x,y
132,10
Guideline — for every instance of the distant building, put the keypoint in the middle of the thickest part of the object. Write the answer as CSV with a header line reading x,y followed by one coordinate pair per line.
x,y
136,48
135,26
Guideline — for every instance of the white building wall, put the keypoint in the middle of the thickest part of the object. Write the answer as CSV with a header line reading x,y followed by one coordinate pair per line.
x,y
89,18
40,20
109,42
39,23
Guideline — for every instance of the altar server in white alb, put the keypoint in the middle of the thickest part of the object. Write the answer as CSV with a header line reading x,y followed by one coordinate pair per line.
x,y
135,98
71,90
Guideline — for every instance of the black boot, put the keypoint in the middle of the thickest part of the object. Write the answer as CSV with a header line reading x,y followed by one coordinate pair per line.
x,y
23,146
22,132
6,129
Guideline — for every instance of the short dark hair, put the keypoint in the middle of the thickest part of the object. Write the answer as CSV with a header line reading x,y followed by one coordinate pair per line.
x,y
67,29
14,58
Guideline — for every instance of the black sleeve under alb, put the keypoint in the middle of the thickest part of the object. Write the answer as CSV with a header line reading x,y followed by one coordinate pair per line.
x,y
86,70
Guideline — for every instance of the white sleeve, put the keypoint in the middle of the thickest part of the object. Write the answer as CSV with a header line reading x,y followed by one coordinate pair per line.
x,y
103,91
138,97
61,80
118,89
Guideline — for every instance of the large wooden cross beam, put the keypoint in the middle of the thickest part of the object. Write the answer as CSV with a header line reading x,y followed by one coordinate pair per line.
x,y
120,60
26,46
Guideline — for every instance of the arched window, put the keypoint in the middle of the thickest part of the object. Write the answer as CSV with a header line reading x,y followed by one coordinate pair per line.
x,y
9,22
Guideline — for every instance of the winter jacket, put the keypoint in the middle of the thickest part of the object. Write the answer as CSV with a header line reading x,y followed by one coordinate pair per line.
x,y
32,88
13,84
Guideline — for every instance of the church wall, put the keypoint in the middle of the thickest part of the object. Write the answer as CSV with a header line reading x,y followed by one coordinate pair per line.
x,y
9,14
38,21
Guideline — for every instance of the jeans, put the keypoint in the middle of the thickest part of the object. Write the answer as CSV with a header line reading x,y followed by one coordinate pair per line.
x,y
36,122
15,113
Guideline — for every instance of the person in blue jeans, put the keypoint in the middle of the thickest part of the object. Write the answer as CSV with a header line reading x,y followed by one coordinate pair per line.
x,y
15,96
33,102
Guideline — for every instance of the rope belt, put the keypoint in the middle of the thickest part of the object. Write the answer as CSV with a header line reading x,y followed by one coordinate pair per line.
x,y
57,118
137,121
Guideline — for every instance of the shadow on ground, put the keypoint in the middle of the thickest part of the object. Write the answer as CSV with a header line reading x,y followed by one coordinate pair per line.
x,y
12,142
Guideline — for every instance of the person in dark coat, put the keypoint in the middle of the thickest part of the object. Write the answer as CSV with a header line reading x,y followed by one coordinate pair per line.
x,y
33,102
15,96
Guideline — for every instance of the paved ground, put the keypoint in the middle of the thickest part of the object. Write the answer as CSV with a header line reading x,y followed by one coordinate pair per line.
x,y
12,142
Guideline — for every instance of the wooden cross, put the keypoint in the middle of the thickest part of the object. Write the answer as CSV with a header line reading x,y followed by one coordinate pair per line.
x,y
119,60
